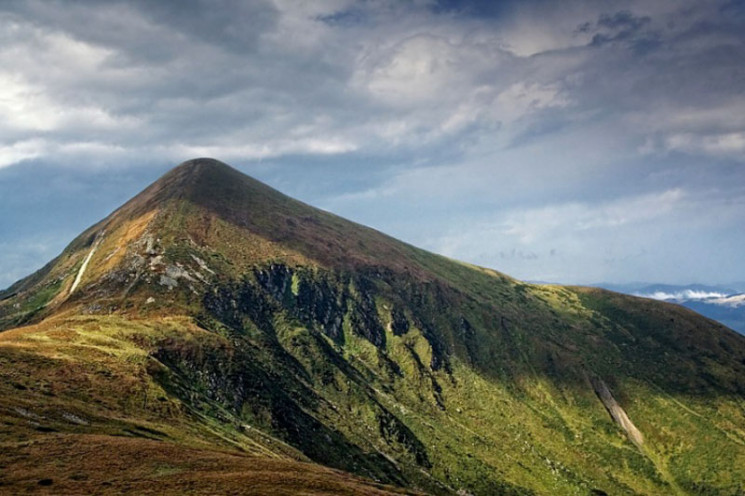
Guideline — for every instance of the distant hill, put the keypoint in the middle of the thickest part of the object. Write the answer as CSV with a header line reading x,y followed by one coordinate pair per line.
x,y
721,303
216,336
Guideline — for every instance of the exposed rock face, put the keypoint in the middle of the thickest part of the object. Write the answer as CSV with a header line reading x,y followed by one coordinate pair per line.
x,y
399,323
616,412
318,300
80,273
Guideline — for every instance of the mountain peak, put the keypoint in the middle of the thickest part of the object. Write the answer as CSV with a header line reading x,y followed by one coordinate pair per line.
x,y
197,173
205,204
201,168
205,209
203,181
195,164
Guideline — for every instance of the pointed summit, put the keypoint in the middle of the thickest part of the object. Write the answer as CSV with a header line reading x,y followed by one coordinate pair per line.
x,y
206,181
201,210
208,178
196,165
189,176
210,192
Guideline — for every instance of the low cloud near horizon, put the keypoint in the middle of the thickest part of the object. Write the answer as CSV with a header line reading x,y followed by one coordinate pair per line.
x,y
572,141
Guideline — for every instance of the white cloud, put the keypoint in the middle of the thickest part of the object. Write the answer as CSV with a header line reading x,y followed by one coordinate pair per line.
x,y
684,295
266,150
716,131
14,153
23,107
422,69
728,145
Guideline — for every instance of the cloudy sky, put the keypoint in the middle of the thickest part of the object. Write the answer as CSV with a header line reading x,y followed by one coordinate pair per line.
x,y
573,141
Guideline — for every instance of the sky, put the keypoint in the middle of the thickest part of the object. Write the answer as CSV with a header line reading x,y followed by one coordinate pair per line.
x,y
573,141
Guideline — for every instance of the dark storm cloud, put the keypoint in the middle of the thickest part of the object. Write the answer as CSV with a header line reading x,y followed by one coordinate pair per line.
x,y
582,119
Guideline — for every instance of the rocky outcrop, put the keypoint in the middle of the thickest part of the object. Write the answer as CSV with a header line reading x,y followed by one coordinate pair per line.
x,y
616,412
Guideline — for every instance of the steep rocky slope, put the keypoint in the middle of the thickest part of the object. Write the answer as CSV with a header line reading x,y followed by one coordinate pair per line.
x,y
212,312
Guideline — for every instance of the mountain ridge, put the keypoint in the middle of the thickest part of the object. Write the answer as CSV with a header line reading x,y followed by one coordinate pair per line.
x,y
722,303
208,194
211,310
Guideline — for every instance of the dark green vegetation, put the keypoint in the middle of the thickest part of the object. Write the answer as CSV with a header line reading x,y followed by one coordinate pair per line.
x,y
222,319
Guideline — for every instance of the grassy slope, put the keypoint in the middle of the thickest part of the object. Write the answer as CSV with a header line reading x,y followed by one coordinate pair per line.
x,y
80,413
369,355
95,464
